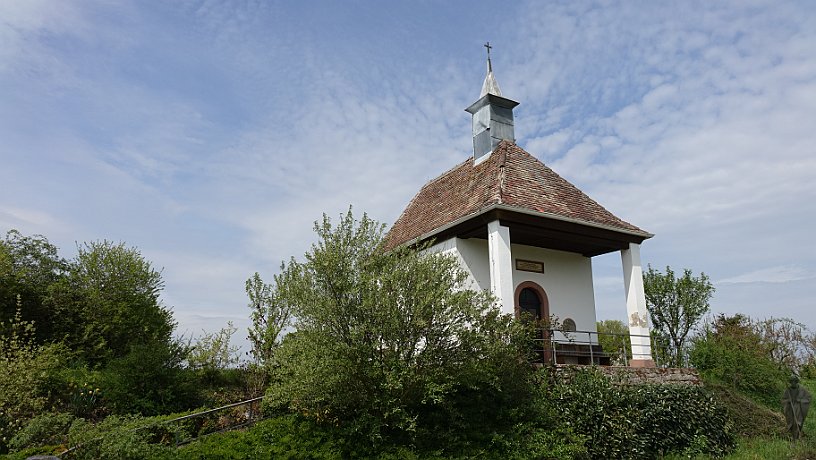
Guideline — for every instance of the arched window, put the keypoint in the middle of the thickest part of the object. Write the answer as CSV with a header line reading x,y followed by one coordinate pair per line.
x,y
531,301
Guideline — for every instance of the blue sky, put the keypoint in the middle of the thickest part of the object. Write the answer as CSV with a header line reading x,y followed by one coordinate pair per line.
x,y
211,134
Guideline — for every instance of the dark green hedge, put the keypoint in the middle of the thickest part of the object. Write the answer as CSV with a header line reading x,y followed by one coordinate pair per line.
x,y
642,421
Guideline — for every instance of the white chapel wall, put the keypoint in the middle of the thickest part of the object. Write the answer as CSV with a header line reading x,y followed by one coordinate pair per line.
x,y
567,280
474,253
473,267
567,277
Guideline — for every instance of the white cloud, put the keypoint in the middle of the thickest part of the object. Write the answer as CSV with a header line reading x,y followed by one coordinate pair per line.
x,y
11,216
212,134
779,274
23,23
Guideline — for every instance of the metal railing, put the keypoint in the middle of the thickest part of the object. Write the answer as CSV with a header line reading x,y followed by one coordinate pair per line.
x,y
592,347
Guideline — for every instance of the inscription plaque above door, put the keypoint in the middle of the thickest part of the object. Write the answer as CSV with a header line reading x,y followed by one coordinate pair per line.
x,y
530,266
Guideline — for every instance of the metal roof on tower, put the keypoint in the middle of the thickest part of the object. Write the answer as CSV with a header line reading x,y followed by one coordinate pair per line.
x,y
490,85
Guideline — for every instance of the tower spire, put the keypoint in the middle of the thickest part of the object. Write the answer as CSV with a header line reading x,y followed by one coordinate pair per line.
x,y
492,116
490,85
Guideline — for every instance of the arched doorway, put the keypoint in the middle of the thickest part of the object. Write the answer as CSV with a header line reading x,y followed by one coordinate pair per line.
x,y
532,304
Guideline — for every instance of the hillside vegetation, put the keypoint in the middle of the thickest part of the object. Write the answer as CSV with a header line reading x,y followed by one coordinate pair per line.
x,y
389,357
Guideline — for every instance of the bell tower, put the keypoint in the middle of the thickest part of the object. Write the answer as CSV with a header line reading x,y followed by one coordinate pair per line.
x,y
492,116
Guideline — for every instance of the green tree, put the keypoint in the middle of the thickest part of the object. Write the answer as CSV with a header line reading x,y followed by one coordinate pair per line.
x,y
109,302
787,341
212,351
28,266
676,306
269,316
731,351
613,336
390,344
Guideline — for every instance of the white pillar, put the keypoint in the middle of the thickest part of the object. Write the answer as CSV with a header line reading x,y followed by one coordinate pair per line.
x,y
636,307
501,265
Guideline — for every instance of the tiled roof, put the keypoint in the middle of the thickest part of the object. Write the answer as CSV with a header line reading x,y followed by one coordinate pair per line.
x,y
510,177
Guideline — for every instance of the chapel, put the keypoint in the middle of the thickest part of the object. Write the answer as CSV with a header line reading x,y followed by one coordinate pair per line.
x,y
526,234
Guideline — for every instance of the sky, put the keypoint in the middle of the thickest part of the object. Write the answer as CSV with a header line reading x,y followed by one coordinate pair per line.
x,y
212,134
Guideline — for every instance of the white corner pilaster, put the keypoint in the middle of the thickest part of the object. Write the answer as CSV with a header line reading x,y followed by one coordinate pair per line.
x,y
501,265
636,307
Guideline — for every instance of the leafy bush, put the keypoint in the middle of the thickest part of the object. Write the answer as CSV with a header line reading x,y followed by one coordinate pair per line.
x,y
149,380
44,429
682,418
296,437
109,303
392,349
751,419
27,375
28,266
119,437
289,436
212,351
642,421
614,338
731,352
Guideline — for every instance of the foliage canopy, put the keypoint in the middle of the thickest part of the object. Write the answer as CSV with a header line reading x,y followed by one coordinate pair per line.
x,y
269,319
389,344
731,351
28,266
675,307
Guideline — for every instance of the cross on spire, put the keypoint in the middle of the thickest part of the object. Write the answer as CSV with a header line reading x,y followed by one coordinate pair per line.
x,y
490,86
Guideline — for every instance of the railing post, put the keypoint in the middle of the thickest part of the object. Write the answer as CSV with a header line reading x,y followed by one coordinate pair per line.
x,y
624,349
591,354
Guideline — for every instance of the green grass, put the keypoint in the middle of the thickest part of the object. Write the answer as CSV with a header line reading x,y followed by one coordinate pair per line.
x,y
766,449
762,431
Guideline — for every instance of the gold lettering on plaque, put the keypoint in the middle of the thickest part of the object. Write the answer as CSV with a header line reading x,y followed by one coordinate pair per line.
x,y
529,266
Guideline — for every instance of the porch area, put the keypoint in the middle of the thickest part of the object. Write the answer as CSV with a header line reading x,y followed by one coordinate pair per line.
x,y
612,356
576,347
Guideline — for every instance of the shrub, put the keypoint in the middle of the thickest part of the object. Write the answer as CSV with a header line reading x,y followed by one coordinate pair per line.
x,y
613,336
27,375
288,436
297,437
149,380
751,419
682,418
392,348
731,352
44,429
642,421
212,351
118,437
594,407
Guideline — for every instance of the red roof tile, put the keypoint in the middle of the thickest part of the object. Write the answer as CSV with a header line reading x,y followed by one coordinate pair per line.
x,y
510,177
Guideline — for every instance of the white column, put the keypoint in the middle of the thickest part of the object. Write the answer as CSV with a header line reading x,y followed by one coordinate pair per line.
x,y
636,307
501,265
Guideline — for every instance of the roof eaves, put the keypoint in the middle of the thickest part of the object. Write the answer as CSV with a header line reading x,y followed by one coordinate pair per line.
x,y
486,209
549,215
427,235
